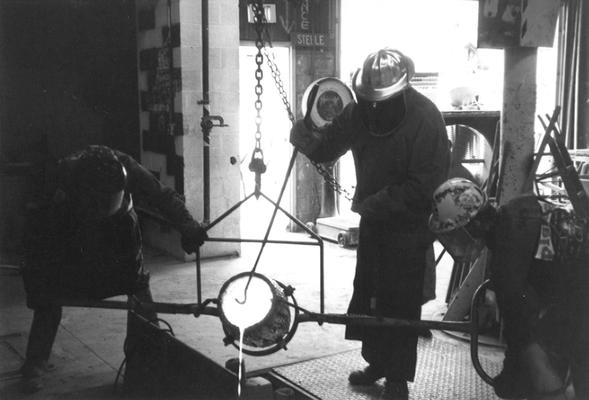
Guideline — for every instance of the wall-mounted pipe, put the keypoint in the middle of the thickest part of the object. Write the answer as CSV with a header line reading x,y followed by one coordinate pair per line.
x,y
206,123
208,120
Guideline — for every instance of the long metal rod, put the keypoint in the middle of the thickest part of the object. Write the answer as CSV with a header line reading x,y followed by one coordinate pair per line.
x,y
470,327
161,308
206,122
271,223
321,279
339,319
541,149
172,88
294,219
321,253
474,333
198,278
260,241
367,320
229,211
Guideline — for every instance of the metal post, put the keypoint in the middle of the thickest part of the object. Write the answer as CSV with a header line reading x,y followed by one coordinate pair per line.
x,y
517,120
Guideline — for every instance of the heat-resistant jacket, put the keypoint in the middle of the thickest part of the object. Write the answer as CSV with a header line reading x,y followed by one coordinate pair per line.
x,y
395,174
66,257
395,179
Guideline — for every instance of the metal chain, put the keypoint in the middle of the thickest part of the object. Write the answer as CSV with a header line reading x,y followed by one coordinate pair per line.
x,y
321,169
258,10
261,28
256,164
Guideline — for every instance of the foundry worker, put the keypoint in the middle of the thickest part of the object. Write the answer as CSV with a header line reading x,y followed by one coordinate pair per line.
x,y
401,154
538,270
84,241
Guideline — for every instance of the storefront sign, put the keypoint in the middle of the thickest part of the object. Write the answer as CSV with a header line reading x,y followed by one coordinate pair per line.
x,y
305,23
310,39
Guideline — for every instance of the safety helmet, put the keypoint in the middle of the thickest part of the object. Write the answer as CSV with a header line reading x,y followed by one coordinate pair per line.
x,y
98,168
456,203
384,74
99,181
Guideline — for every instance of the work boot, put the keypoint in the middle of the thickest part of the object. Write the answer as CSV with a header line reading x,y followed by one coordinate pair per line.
x,y
558,394
32,374
512,382
424,333
395,390
367,376
37,369
548,382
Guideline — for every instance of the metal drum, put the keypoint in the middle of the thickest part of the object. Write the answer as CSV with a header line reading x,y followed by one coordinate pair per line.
x,y
262,313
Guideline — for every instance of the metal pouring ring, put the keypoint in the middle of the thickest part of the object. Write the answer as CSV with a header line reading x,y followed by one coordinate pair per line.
x,y
256,330
324,99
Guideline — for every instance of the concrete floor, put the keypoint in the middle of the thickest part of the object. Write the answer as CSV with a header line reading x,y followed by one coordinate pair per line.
x,y
89,347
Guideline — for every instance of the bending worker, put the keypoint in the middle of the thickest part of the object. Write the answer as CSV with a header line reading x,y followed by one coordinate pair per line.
x,y
84,241
538,269
401,154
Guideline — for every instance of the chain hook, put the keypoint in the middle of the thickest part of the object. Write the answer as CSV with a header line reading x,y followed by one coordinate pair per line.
x,y
258,167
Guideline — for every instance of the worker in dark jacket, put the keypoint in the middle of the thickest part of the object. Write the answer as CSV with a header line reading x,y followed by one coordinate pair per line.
x,y
400,148
84,241
538,270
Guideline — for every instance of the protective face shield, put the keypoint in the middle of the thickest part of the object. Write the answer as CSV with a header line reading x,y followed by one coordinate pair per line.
x,y
381,118
92,204
456,203
379,86
99,184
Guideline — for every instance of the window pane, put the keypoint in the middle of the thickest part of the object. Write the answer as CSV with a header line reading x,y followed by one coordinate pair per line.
x,y
440,37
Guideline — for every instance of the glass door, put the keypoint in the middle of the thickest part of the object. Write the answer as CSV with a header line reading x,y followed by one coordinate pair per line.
x,y
275,131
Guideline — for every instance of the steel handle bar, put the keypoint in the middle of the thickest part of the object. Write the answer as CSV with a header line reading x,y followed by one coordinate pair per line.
x,y
376,321
203,308
330,318
158,307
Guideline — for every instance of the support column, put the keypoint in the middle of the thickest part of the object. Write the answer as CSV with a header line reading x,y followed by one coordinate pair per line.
x,y
517,120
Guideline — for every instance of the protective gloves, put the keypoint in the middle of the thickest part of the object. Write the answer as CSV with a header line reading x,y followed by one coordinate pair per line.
x,y
304,139
193,236
370,208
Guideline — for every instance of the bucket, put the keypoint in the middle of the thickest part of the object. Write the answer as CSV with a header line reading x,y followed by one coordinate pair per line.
x,y
264,317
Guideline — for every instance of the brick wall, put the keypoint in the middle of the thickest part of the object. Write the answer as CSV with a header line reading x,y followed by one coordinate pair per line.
x,y
171,90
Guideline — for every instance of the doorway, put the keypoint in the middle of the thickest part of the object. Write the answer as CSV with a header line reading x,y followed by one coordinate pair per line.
x,y
275,130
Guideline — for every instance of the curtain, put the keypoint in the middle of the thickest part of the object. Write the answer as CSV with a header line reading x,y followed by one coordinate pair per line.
x,y
572,66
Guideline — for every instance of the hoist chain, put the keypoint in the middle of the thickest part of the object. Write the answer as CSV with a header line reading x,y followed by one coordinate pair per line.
x,y
259,89
261,27
256,164
321,169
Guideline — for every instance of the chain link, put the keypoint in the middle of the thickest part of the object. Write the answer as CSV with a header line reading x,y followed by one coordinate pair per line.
x,y
261,27
258,10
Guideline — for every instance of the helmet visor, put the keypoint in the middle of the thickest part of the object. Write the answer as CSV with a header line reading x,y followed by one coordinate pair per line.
x,y
92,204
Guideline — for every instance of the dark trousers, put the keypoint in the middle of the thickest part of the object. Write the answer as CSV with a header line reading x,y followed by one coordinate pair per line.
x,y
42,334
46,319
389,283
